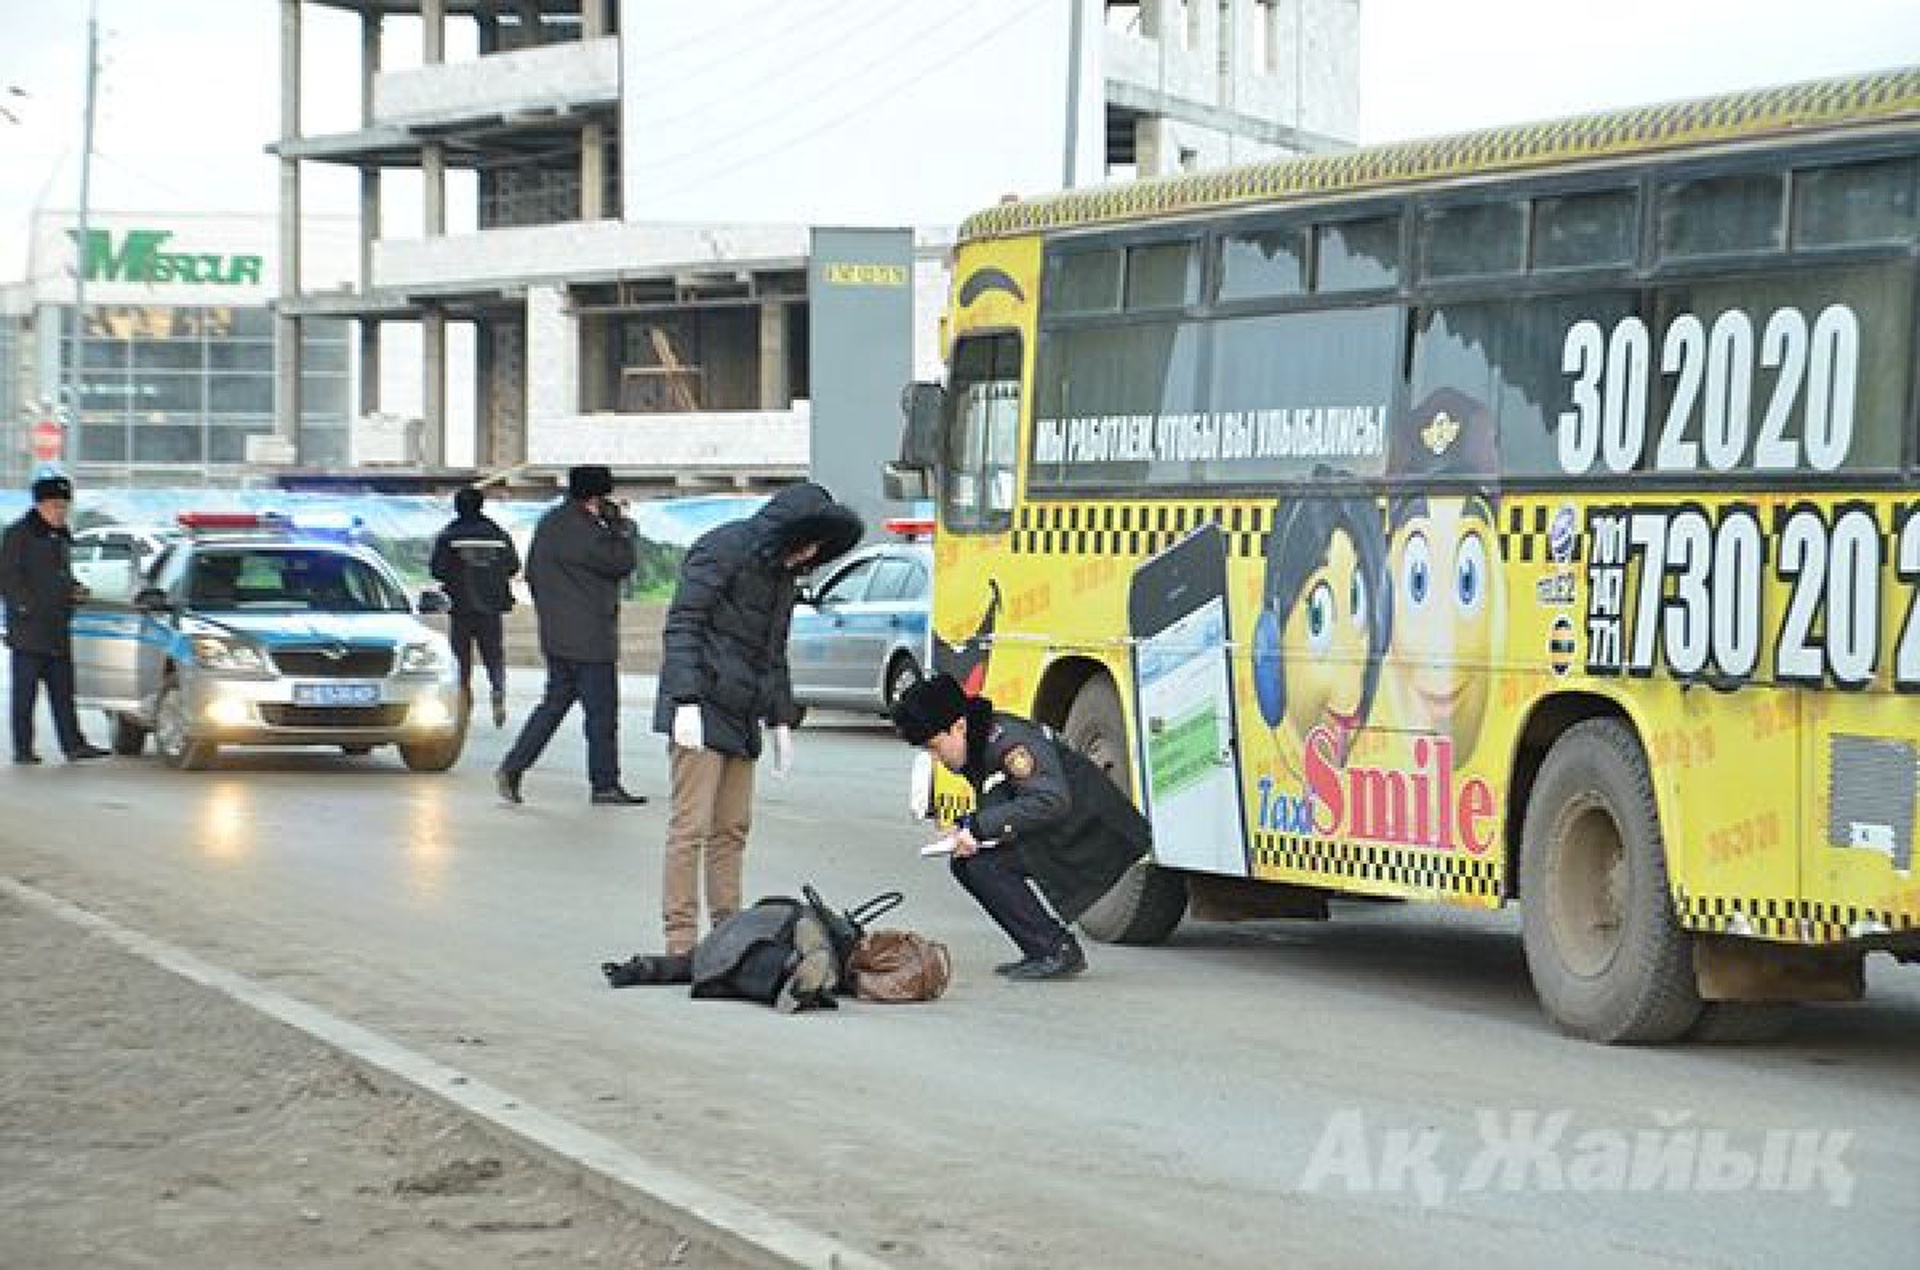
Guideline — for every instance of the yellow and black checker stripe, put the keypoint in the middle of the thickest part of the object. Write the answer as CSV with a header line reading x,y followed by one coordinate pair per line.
x,y
1136,530
1788,921
1337,863
1793,108
1523,535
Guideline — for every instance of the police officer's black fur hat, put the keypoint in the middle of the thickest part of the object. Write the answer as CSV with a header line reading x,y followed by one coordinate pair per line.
x,y
929,707
52,487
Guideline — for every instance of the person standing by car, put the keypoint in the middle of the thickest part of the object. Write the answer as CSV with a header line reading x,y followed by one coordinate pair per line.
x,y
1043,814
581,554
36,575
475,562
723,675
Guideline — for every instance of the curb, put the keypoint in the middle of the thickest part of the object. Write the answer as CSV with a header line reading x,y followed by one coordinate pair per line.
x,y
729,1224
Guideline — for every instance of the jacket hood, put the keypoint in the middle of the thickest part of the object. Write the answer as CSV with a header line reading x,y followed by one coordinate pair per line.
x,y
805,513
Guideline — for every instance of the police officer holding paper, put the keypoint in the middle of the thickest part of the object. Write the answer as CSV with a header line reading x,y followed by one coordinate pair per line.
x,y
1043,813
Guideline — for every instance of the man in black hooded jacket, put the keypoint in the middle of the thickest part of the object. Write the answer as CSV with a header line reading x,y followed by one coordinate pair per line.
x,y
475,561
36,577
723,675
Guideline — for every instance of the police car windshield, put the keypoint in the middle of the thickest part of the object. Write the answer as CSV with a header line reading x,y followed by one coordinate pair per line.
x,y
289,578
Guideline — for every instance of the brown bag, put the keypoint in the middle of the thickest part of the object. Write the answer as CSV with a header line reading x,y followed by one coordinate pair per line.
x,y
898,965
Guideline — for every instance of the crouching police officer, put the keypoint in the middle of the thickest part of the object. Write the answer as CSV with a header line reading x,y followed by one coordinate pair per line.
x,y
1042,813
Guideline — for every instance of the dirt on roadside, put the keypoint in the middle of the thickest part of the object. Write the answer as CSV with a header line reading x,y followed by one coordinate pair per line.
x,y
148,1121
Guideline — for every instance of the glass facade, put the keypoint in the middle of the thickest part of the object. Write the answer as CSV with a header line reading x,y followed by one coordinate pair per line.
x,y
166,388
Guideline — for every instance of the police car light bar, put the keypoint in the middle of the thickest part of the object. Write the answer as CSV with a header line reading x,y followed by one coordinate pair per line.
x,y
909,526
315,524
194,522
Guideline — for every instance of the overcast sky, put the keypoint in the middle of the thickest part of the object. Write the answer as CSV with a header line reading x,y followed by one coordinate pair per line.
x,y
190,88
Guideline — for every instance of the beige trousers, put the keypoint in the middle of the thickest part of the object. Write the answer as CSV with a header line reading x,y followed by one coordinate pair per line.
x,y
712,810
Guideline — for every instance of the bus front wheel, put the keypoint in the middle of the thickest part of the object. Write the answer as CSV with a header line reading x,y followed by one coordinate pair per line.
x,y
1147,903
1607,957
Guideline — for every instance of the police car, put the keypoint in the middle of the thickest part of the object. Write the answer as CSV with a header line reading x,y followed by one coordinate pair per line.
x,y
264,630
860,636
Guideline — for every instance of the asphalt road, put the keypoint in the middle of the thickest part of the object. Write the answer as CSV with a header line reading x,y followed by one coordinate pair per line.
x,y
1376,1090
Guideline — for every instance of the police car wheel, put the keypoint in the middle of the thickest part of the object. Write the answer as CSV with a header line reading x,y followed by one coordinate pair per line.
x,y
1147,903
129,735
177,745
1607,954
431,756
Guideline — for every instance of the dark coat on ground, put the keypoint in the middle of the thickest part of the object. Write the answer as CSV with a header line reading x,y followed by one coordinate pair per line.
x,y
1076,832
576,566
726,630
474,560
36,575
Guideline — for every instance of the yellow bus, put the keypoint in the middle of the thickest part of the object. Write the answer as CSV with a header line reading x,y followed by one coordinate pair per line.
x,y
1526,515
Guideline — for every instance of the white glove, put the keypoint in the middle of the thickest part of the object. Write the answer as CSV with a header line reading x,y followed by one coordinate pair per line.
x,y
782,752
687,733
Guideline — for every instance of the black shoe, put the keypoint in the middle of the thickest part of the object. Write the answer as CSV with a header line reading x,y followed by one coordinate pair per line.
x,y
28,759
508,783
1008,967
614,796
1061,963
499,709
85,751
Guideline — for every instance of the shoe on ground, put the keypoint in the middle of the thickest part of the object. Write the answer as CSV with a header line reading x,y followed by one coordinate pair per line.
x,y
499,709
508,783
615,796
85,751
1063,962
1008,967
28,759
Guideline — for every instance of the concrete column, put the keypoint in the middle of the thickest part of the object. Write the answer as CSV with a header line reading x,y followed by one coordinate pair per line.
x,y
369,366
433,359
774,389
593,19
286,330
1153,19
433,175
593,172
598,386
433,31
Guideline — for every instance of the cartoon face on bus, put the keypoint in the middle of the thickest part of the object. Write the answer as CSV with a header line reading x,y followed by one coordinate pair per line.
x,y
1444,566
1442,559
1325,614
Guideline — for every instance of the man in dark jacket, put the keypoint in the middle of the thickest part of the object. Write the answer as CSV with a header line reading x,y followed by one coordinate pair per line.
x,y
475,562
36,576
723,675
1042,812
581,554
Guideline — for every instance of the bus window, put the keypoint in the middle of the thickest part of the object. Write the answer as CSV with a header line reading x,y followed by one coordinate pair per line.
x,y
1855,203
1722,215
1358,255
1084,282
1162,276
1259,263
1476,240
1584,231
1099,390
983,434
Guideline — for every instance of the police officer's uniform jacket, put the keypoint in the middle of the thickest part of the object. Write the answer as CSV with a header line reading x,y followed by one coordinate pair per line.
x,y
1076,833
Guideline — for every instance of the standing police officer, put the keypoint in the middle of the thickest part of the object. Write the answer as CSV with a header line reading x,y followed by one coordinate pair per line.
x,y
36,575
1043,813
475,562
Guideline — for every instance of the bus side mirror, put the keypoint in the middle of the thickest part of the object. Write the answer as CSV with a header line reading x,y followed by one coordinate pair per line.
x,y
152,599
911,477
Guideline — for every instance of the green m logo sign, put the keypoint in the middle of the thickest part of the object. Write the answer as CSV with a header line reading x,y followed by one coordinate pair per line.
x,y
139,258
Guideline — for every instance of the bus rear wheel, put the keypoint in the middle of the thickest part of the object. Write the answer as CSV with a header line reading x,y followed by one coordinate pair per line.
x,y
1607,956
1147,903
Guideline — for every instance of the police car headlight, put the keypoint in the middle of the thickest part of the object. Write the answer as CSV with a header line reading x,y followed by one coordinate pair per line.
x,y
422,659
228,656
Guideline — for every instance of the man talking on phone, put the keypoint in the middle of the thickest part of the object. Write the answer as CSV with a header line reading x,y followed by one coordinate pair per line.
x,y
1043,816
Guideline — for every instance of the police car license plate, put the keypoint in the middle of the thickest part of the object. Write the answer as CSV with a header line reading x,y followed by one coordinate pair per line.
x,y
336,694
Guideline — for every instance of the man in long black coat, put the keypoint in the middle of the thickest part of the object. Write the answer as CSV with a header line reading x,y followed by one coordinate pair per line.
x,y
36,576
580,556
723,676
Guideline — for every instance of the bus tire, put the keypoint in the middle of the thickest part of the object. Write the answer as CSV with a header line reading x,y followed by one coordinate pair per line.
x,y
1608,958
1147,903
129,735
